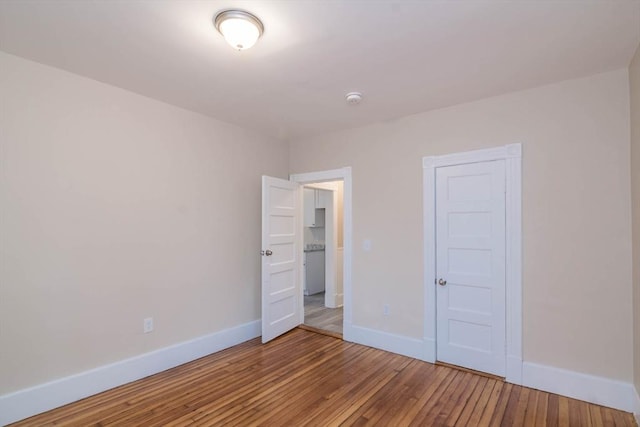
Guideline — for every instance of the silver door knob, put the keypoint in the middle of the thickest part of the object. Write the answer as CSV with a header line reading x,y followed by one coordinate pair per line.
x,y
442,282
267,252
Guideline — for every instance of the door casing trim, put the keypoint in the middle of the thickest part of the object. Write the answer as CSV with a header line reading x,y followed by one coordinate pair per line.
x,y
512,155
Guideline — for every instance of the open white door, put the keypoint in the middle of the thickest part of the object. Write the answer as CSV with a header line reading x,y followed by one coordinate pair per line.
x,y
281,248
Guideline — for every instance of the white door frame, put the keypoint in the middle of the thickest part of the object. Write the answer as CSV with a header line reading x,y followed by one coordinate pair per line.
x,y
512,155
343,174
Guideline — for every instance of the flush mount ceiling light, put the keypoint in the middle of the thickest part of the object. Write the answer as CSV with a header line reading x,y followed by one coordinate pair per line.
x,y
239,28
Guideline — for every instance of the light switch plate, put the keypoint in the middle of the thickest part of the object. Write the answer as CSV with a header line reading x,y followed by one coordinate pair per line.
x,y
147,325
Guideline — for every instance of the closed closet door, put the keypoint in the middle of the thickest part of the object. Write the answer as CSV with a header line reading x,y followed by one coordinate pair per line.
x,y
470,266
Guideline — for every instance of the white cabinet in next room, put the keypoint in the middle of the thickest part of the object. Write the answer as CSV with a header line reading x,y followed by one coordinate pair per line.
x,y
314,203
314,272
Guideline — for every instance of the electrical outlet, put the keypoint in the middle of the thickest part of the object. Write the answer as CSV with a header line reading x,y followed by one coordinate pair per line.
x,y
147,325
385,309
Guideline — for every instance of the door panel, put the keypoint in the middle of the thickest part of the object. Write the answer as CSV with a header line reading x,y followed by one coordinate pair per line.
x,y
281,246
470,252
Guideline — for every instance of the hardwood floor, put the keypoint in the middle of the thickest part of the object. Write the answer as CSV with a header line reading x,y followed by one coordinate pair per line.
x,y
321,317
308,379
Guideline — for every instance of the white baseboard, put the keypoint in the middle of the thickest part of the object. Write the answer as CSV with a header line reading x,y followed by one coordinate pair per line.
x,y
599,390
430,350
514,370
34,400
406,346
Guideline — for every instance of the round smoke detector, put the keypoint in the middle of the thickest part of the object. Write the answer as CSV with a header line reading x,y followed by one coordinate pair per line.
x,y
353,98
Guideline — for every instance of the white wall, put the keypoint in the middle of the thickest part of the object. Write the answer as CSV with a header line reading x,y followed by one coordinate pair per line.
x,y
116,207
576,214
634,81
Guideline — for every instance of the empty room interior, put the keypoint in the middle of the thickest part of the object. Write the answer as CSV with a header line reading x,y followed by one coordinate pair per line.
x,y
336,212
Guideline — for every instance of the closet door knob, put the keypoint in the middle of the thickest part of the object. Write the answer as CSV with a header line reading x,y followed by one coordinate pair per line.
x,y
442,282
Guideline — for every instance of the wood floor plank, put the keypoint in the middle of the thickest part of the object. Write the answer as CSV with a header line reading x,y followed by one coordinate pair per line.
x,y
564,417
375,405
620,419
466,410
596,415
481,406
438,413
299,397
357,400
522,406
531,409
505,409
453,411
307,379
492,404
580,412
540,418
607,417
244,371
335,378
435,398
262,392
421,397
553,410
389,402
406,377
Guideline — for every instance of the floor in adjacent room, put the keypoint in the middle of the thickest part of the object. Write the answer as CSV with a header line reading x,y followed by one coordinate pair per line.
x,y
318,316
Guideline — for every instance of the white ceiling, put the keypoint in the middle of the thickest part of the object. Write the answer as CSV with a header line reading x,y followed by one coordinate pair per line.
x,y
405,56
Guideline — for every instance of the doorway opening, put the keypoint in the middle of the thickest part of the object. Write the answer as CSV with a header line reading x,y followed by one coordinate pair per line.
x,y
323,255
326,251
